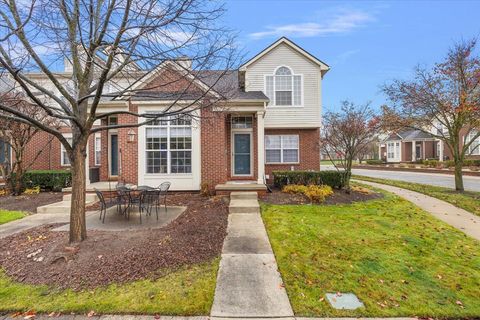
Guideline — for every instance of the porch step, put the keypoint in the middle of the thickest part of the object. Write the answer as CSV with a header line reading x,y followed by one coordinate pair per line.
x,y
241,187
244,206
89,197
60,207
243,195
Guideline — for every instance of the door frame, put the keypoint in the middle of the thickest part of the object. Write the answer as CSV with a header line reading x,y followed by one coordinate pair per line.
x,y
232,148
109,153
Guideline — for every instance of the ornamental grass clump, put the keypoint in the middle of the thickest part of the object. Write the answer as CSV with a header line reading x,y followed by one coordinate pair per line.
x,y
315,193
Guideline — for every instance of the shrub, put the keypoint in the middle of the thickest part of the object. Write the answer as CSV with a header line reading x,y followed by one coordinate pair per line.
x,y
332,178
316,194
34,190
431,163
471,162
374,162
48,179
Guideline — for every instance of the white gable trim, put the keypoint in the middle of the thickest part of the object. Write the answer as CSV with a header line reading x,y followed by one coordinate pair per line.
x,y
323,66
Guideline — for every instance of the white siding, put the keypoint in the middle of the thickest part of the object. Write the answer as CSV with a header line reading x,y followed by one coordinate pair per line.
x,y
307,115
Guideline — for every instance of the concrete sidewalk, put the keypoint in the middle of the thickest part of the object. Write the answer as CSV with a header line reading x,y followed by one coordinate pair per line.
x,y
249,284
32,221
454,216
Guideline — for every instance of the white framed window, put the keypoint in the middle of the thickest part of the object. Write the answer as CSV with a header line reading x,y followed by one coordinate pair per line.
x,y
98,149
281,148
393,150
284,88
474,148
64,160
242,122
169,146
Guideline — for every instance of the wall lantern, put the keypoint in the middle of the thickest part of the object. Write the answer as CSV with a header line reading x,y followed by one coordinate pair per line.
x,y
131,136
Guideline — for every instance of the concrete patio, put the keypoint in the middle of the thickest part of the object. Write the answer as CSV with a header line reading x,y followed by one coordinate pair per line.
x,y
115,221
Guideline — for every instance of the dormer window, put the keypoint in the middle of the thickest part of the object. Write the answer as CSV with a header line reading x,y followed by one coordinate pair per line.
x,y
284,88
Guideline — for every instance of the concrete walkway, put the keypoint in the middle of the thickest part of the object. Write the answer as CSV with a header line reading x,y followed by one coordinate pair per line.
x,y
32,221
249,284
454,216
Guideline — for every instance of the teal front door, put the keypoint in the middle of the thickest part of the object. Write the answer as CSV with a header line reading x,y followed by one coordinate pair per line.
x,y
114,155
242,154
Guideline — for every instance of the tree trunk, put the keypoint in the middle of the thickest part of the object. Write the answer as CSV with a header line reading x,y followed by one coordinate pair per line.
x,y
78,229
348,175
458,175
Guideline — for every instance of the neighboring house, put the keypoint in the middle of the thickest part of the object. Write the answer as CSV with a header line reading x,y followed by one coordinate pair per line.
x,y
271,121
416,145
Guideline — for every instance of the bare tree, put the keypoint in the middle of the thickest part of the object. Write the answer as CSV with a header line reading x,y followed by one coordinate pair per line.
x,y
347,133
16,136
102,41
443,101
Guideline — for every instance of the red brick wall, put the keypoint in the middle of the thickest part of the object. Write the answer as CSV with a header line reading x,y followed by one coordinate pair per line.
x,y
309,149
49,158
214,153
128,151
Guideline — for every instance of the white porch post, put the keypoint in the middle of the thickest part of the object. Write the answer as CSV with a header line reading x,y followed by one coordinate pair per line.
x,y
440,156
380,151
260,145
87,165
423,149
414,151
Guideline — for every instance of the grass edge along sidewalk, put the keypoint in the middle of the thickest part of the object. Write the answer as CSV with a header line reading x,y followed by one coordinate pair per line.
x,y
467,200
398,259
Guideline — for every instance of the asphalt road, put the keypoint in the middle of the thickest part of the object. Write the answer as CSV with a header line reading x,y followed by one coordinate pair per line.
x,y
434,179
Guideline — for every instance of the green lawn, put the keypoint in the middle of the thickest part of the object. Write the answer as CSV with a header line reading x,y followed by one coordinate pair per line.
x,y
467,200
7,216
188,291
396,258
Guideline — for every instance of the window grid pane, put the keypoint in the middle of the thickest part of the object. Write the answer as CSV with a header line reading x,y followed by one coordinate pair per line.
x,y
169,143
297,90
283,98
269,89
281,149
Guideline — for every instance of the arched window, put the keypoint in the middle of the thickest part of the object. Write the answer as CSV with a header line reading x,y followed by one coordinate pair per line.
x,y
284,88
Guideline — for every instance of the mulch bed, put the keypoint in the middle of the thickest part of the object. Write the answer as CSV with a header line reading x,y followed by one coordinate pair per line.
x,y
29,203
338,197
103,258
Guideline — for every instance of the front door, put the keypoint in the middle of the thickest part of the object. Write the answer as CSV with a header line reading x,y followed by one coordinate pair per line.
x,y
418,151
113,155
242,143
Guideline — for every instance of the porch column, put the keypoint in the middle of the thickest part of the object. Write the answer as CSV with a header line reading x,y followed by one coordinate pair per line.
x,y
440,155
261,148
87,164
380,151
423,149
414,151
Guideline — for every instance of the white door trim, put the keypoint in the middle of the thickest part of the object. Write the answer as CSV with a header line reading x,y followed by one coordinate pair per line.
x,y
232,147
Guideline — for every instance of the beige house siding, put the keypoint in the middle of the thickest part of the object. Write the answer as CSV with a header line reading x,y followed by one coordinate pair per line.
x,y
305,116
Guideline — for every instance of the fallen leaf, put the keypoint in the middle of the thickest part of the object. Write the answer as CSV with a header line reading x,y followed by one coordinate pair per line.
x,y
91,314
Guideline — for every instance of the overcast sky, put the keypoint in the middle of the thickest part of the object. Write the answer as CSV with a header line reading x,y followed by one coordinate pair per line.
x,y
365,43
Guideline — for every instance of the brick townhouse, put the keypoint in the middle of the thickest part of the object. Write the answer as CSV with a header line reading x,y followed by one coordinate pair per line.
x,y
271,121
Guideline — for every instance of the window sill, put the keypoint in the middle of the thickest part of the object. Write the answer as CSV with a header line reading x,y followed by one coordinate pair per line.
x,y
282,163
283,107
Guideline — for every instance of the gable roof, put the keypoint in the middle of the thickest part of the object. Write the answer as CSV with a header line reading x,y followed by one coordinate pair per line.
x,y
284,40
409,135
145,80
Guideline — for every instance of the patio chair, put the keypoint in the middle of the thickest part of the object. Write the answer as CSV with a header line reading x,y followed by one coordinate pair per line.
x,y
103,205
123,198
131,198
151,198
163,191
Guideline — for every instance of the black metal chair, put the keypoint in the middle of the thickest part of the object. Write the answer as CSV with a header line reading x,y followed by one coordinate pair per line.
x,y
123,198
151,199
103,205
162,192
